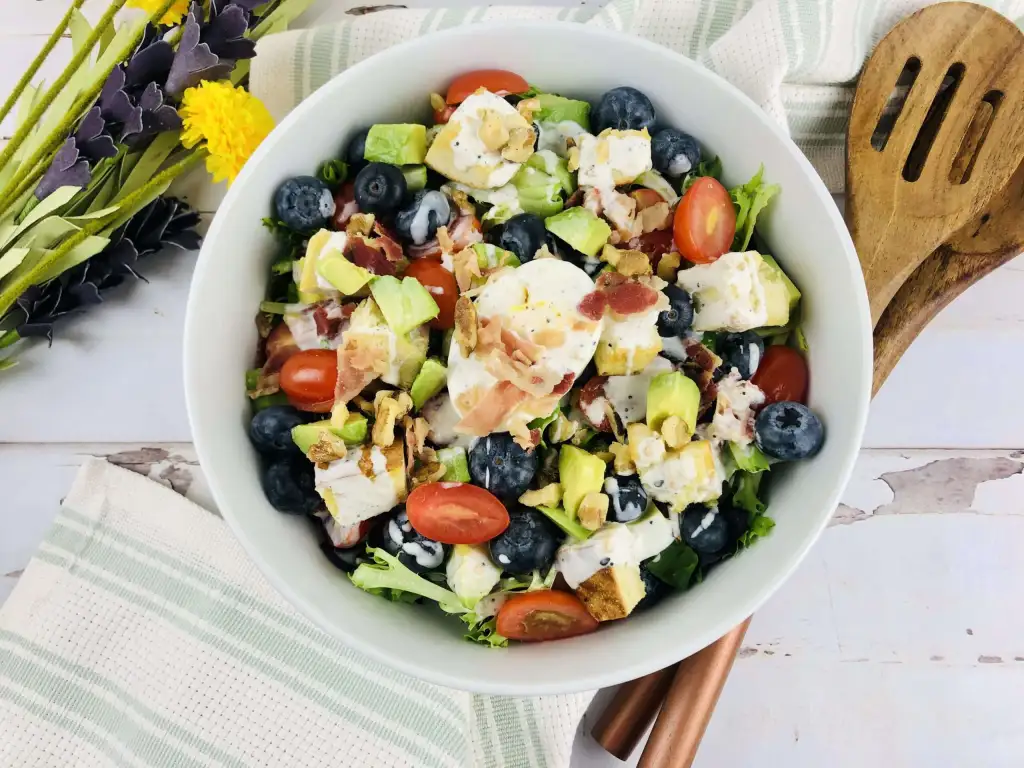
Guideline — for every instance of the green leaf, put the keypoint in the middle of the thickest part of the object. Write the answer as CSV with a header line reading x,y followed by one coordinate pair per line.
x,y
483,631
745,489
277,21
84,250
386,575
750,199
675,565
712,168
9,337
7,362
80,30
53,203
10,260
800,338
149,163
333,173
760,527
47,233
93,215
748,457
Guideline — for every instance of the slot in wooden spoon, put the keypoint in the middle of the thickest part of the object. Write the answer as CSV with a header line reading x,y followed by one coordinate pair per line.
x,y
909,191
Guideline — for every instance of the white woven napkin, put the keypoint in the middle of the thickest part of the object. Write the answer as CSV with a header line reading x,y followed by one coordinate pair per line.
x,y
141,635
796,58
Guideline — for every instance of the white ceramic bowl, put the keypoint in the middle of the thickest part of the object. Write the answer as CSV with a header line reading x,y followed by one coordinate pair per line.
x,y
803,228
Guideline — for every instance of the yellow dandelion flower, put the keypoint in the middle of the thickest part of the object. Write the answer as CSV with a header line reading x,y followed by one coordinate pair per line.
x,y
172,16
231,121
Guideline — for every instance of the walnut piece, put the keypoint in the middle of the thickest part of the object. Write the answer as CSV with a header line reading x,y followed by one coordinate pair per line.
x,y
386,418
465,325
360,224
593,510
363,405
668,266
562,429
528,108
445,240
429,473
623,460
655,217
627,262
326,449
675,432
520,145
548,496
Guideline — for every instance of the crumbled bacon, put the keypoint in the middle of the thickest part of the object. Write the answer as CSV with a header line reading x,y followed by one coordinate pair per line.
x,y
701,364
345,206
429,250
631,298
491,410
465,231
369,255
592,305
388,242
575,199
565,384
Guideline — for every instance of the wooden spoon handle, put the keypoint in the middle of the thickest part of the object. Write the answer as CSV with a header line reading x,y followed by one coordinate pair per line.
x,y
631,711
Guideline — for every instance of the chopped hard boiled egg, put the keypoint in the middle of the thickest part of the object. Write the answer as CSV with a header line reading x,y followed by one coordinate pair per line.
x,y
737,292
682,477
368,482
734,410
471,149
400,355
614,157
628,344
615,544
628,394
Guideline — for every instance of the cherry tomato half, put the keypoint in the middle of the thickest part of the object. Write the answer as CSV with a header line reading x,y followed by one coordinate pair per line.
x,y
456,513
705,222
308,378
441,285
782,375
442,116
544,615
497,81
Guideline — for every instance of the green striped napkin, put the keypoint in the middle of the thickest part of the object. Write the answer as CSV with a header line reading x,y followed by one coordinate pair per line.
x,y
141,635
796,58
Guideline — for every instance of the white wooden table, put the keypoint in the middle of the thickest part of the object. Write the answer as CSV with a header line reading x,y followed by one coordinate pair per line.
x,y
899,642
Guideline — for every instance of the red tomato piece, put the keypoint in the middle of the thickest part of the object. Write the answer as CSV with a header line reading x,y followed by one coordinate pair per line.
x,y
456,513
782,375
442,116
308,378
705,222
544,615
441,285
497,81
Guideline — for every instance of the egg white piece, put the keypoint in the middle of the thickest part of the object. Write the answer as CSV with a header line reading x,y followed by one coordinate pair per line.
x,y
533,301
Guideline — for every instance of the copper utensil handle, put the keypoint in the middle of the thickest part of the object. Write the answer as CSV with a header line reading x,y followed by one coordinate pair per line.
x,y
631,711
690,703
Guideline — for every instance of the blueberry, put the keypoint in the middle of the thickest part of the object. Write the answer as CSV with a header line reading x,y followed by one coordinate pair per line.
x,y
524,234
627,498
623,108
742,351
674,153
704,530
304,203
271,429
356,149
417,221
396,536
566,252
654,589
379,188
529,543
498,464
788,431
288,485
676,320
344,558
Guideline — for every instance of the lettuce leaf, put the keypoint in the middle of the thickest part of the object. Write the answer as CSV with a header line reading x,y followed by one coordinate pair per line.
x,y
748,458
750,199
745,496
483,631
387,577
712,168
675,565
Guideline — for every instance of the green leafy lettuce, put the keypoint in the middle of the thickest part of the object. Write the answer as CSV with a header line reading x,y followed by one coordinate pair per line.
x,y
483,631
745,489
387,577
712,168
333,173
675,565
750,199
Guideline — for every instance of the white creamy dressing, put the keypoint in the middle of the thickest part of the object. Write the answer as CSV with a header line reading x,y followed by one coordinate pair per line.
x,y
705,522
595,410
615,544
628,394
303,329
728,293
441,417
469,150
734,410
674,348
554,136
613,158
680,165
358,497
674,475
427,554
420,226
549,159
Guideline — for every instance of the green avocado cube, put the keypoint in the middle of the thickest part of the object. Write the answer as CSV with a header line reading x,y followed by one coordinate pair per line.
x,y
404,303
456,465
547,161
579,473
342,273
415,177
353,433
672,394
400,144
490,256
539,193
581,229
558,516
428,382
558,109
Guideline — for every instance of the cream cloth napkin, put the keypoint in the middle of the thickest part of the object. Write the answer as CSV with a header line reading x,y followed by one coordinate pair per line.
x,y
141,635
798,59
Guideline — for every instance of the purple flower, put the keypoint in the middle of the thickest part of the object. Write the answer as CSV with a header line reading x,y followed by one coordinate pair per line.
x,y
194,61
116,105
92,138
66,170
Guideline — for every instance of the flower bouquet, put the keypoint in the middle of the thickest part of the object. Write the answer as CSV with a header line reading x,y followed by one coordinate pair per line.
x,y
154,88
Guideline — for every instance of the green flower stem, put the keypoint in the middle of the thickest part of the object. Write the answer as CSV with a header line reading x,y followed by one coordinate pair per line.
x,y
58,85
9,338
38,60
133,202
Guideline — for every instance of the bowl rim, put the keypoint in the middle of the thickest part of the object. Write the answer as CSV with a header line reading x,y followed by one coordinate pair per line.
x,y
662,655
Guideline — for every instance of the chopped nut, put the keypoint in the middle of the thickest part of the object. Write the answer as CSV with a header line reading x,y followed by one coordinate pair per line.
x,y
675,432
404,401
384,424
520,145
528,108
465,325
466,266
544,253
638,431
493,132
593,511
573,162
360,224
429,473
445,240
668,266
363,405
548,496
627,262
379,396
562,429
409,440
437,102
462,201
339,415
655,217
326,449
623,459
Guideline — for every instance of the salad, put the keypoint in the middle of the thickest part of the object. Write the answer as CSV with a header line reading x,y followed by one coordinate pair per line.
x,y
531,363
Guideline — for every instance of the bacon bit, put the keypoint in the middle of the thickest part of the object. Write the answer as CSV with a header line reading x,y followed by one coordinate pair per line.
x,y
388,242
429,250
565,384
701,364
351,381
488,334
608,280
279,346
513,343
325,325
345,206
523,436
491,410
536,382
443,240
576,198
465,231
365,253
266,384
631,298
592,305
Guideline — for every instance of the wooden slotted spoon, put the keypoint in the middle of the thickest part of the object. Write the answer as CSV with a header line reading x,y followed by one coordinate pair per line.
x,y
911,190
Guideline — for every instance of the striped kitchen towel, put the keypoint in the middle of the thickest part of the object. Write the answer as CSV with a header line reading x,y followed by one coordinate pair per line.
x,y
141,635
798,59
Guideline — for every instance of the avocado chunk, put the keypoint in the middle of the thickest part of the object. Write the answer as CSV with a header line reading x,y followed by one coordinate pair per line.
x,y
792,292
342,273
658,183
539,193
672,394
569,525
547,161
428,382
558,109
415,177
579,473
404,303
490,256
581,229
401,144
456,466
778,299
353,433
307,276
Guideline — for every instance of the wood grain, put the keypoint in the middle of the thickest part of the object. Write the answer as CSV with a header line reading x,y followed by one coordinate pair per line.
x,y
895,222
